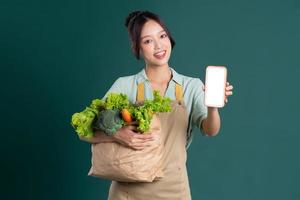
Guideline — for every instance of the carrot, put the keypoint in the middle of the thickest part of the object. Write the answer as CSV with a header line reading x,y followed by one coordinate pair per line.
x,y
126,115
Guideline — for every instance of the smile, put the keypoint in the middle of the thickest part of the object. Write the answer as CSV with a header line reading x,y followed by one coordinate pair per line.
x,y
160,55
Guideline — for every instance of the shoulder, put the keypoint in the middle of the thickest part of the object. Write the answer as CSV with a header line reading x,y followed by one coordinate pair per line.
x,y
192,87
189,83
124,80
122,85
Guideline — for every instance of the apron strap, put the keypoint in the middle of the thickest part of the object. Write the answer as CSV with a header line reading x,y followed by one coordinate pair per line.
x,y
178,92
141,91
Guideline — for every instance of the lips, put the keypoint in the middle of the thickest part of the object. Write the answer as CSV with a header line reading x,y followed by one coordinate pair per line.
x,y
160,54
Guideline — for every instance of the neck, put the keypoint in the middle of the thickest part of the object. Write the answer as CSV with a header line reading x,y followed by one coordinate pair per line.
x,y
159,74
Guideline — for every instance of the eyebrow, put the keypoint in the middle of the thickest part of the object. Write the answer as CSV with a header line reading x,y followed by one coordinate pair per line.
x,y
150,35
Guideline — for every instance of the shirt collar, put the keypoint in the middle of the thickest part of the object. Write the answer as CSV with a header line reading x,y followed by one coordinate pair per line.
x,y
142,76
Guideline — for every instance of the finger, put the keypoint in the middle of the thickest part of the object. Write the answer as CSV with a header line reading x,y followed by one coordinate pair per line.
x,y
227,83
142,140
226,100
141,136
228,93
156,137
137,148
138,137
230,87
139,141
146,144
138,144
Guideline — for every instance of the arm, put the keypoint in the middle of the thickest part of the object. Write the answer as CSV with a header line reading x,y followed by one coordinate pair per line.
x,y
125,136
212,123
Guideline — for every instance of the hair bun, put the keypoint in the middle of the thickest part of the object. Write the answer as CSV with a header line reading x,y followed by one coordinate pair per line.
x,y
131,17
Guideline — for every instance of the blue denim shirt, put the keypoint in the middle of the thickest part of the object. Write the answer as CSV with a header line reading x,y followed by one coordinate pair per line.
x,y
193,95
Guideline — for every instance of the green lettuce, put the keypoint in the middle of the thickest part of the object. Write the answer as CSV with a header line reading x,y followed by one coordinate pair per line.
x,y
84,122
143,113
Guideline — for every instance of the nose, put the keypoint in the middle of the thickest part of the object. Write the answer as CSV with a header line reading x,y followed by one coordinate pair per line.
x,y
157,44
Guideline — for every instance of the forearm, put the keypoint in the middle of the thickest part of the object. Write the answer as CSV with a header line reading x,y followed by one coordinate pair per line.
x,y
98,138
212,123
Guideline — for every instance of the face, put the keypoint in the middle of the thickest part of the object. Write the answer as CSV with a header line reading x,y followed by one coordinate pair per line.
x,y
155,46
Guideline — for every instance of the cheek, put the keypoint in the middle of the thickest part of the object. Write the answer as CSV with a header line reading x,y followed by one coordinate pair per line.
x,y
146,50
168,43
168,46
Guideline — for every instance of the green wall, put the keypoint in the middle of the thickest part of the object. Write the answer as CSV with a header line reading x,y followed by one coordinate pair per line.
x,y
58,55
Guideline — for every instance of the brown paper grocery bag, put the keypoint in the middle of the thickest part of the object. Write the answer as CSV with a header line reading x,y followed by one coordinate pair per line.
x,y
119,163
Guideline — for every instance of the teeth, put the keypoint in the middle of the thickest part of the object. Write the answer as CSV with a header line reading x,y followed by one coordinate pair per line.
x,y
160,53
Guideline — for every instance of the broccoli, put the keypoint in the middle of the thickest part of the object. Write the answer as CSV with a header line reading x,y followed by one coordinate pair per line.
x,y
109,121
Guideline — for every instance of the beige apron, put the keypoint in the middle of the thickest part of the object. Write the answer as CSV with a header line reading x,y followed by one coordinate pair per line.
x,y
174,185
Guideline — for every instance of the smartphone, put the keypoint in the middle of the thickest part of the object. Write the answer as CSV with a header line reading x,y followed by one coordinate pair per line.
x,y
215,83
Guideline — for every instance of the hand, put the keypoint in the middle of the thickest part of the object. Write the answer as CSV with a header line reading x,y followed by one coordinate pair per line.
x,y
128,136
228,91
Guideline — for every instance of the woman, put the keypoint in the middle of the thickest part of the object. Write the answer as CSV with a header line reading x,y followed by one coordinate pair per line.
x,y
152,41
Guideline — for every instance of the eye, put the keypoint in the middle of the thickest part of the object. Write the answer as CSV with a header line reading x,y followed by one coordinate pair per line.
x,y
147,41
164,35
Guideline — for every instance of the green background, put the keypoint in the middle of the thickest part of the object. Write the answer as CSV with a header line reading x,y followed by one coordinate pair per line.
x,y
56,56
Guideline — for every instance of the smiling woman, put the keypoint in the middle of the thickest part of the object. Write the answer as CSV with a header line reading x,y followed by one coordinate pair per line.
x,y
135,24
152,41
155,44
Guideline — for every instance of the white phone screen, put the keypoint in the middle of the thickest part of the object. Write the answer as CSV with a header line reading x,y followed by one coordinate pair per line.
x,y
215,82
